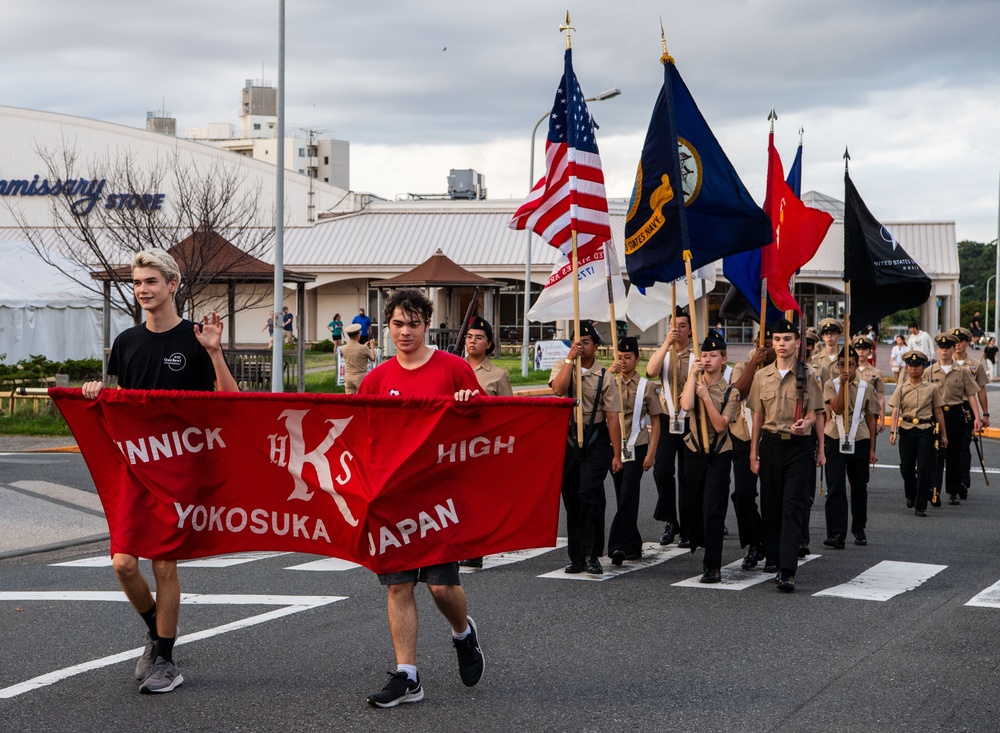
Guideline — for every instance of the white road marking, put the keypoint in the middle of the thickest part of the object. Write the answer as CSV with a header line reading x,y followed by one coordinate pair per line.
x,y
506,558
326,565
989,598
652,554
290,605
884,581
734,577
101,561
226,561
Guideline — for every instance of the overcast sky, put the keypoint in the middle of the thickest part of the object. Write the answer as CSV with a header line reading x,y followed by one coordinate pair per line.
x,y
422,86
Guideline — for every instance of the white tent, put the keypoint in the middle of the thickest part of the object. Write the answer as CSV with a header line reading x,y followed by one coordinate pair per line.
x,y
44,312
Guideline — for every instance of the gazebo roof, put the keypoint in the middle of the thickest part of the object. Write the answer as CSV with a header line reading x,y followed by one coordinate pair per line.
x,y
217,259
438,271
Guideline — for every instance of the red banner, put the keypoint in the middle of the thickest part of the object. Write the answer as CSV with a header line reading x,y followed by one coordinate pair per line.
x,y
389,483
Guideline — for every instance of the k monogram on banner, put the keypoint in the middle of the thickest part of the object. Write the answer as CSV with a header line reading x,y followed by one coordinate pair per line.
x,y
389,483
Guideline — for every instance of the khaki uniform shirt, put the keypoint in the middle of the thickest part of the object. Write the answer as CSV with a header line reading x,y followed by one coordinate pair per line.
x,y
729,411
493,380
870,374
869,406
650,407
609,400
915,402
976,370
774,396
676,371
740,429
826,368
356,357
957,386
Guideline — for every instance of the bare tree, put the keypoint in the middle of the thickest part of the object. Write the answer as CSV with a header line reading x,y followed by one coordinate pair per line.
x,y
124,207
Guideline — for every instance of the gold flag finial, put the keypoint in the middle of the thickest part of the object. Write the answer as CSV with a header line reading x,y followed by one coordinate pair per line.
x,y
666,58
567,28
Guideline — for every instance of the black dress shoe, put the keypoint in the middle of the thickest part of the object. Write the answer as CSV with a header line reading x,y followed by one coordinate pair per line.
x,y
594,566
909,503
836,542
669,530
953,499
920,513
474,562
751,560
786,582
685,543
936,502
617,557
963,492
573,568
804,550
712,576
633,556
770,566
860,538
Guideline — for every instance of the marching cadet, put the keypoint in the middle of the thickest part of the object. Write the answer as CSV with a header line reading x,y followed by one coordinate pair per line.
x,y
706,465
744,497
848,394
493,380
978,373
812,338
825,358
957,386
671,363
586,468
916,408
640,435
871,374
781,449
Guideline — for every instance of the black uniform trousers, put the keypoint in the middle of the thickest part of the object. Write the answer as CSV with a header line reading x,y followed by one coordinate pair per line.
x,y
785,466
966,477
949,461
744,497
706,483
669,450
840,468
809,488
583,495
624,534
916,464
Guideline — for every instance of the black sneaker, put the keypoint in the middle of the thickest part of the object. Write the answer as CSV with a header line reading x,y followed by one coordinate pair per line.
x,y
398,689
471,661
475,562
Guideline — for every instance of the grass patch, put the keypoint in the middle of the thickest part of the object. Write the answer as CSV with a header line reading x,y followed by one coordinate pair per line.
x,y
24,422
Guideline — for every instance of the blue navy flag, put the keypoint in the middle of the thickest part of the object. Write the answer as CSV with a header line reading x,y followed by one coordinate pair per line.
x,y
743,299
891,280
794,179
718,216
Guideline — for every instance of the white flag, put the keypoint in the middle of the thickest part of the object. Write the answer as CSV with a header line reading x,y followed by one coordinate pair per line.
x,y
647,310
555,303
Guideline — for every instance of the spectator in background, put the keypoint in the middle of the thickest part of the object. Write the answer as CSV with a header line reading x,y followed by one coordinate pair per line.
x,y
920,341
990,358
976,326
269,327
287,325
896,358
336,328
366,325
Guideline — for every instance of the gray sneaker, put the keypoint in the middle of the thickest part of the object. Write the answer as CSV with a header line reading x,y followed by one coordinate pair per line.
x,y
147,658
163,676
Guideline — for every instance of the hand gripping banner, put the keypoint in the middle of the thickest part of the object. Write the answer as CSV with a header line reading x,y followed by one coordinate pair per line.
x,y
389,483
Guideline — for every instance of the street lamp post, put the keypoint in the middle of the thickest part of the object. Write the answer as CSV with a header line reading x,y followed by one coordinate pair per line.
x,y
525,341
986,307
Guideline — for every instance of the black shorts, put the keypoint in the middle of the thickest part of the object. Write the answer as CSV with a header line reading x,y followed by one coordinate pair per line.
x,y
443,574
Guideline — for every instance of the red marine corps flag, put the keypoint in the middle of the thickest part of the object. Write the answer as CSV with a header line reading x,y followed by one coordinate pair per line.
x,y
389,483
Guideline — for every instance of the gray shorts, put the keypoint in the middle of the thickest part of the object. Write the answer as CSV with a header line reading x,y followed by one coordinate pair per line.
x,y
443,574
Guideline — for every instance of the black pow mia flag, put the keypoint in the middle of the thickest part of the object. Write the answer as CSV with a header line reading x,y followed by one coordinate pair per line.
x,y
884,278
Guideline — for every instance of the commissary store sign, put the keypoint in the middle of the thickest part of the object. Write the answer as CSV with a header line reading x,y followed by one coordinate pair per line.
x,y
83,193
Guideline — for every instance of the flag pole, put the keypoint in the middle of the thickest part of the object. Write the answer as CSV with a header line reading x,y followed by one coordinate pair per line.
x,y
847,322
614,332
702,412
575,259
674,366
763,310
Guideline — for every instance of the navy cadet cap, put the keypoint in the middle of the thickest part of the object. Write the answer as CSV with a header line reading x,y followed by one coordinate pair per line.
x,y
914,357
588,329
629,345
862,342
851,354
783,325
830,325
811,336
962,334
946,340
481,324
713,342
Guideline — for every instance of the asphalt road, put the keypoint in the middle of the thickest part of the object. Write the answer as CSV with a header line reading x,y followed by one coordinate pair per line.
x,y
635,652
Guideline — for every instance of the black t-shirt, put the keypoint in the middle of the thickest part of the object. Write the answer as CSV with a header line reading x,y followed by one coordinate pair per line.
x,y
142,359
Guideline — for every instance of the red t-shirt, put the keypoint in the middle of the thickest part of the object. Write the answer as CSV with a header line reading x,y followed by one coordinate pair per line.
x,y
442,374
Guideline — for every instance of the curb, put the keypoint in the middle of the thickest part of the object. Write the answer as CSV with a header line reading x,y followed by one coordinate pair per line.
x,y
55,546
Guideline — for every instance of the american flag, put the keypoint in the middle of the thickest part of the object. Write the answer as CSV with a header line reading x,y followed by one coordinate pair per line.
x,y
571,195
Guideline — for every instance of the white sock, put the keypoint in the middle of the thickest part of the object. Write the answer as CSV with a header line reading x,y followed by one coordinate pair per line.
x,y
410,669
464,634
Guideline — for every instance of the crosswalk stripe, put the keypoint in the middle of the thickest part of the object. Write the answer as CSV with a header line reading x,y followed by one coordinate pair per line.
x,y
326,565
652,554
885,580
989,598
734,577
101,561
506,558
227,561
